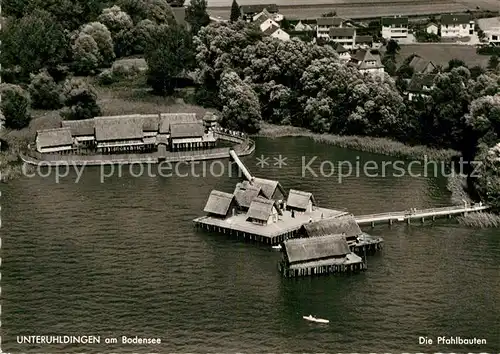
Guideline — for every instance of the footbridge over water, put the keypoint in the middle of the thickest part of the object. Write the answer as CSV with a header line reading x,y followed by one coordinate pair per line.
x,y
419,214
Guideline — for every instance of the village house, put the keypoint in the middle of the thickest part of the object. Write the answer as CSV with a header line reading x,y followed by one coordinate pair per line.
x,y
249,12
432,28
271,189
394,27
491,29
263,211
343,53
265,21
299,201
221,205
318,255
323,25
343,35
421,65
163,140
210,121
276,32
190,136
367,62
245,193
57,140
82,132
363,42
456,26
420,85
303,27
119,134
345,225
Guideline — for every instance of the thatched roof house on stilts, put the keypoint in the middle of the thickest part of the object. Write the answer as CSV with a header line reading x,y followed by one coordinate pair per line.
x,y
300,201
221,204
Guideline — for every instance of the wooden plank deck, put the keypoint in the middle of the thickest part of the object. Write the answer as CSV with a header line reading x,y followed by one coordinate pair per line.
x,y
418,214
284,225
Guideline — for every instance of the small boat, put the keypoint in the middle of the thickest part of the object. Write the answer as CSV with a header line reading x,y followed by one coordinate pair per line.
x,y
277,247
314,319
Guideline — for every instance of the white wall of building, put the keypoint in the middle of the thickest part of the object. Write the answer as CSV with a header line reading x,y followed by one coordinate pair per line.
x,y
458,30
394,32
280,34
268,23
432,29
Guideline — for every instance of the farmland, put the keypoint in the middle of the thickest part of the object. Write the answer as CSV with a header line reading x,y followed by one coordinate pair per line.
x,y
440,54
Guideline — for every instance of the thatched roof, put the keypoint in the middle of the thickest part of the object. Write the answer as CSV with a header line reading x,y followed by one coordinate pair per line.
x,y
150,122
310,249
54,137
218,203
267,186
118,128
245,193
171,118
186,130
80,127
299,200
262,209
345,224
210,117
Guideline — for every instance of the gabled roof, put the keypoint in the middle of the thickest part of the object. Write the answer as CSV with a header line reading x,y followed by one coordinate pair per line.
x,y
54,137
339,48
150,122
431,24
364,39
455,19
253,9
263,18
186,130
396,20
329,21
262,208
267,186
245,193
310,249
419,81
210,117
363,56
270,30
167,118
118,128
218,203
333,226
342,32
79,127
419,64
299,199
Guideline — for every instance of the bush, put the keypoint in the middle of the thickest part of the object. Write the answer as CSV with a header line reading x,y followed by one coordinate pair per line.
x,y
102,37
44,92
118,72
80,100
106,77
15,106
115,19
488,50
86,56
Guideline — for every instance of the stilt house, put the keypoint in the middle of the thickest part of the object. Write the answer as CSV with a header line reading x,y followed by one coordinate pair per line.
x,y
54,141
300,201
345,225
119,134
263,211
318,255
270,188
82,131
186,136
245,193
221,204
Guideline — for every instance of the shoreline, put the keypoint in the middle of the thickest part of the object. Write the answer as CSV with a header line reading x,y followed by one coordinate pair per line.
x,y
381,146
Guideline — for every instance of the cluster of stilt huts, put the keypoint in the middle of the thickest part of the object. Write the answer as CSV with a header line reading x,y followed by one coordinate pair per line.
x,y
313,240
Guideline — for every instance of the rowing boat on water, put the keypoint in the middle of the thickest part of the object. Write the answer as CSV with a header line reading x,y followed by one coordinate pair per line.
x,y
314,319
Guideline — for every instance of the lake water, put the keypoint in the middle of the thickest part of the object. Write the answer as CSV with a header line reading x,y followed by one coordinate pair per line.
x,y
122,258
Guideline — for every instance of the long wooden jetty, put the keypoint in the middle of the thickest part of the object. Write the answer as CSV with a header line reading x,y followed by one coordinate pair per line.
x,y
419,214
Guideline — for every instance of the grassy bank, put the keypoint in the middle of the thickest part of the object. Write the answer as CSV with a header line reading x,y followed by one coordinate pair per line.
x,y
457,185
362,143
480,220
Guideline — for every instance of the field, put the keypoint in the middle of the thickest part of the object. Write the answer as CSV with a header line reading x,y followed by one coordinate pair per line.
x,y
440,54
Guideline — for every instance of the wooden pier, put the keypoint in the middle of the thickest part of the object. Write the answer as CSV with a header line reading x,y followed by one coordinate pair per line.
x,y
418,214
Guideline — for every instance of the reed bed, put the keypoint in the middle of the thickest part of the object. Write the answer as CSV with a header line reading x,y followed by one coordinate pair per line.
x,y
480,220
457,185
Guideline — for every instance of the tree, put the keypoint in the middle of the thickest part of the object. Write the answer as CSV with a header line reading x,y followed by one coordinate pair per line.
x,y
44,91
235,11
34,42
80,99
197,16
15,106
169,54
455,63
241,110
115,19
158,11
493,62
86,55
102,37
392,48
488,182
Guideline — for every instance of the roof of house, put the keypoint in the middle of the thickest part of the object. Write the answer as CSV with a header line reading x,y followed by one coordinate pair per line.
x,y
179,15
218,203
263,17
171,118
80,127
419,64
364,39
329,21
396,20
262,209
267,186
431,24
339,48
210,117
345,224
186,130
299,199
419,81
54,137
118,128
363,56
454,19
150,122
252,9
270,30
309,249
342,32
245,193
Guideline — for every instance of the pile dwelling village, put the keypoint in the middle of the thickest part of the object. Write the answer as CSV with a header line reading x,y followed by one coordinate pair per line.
x,y
159,133
314,240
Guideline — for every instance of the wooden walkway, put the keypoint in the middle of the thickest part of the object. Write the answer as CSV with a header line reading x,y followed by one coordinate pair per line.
x,y
420,214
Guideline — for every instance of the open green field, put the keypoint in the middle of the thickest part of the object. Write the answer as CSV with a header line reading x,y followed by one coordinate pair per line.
x,y
440,53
